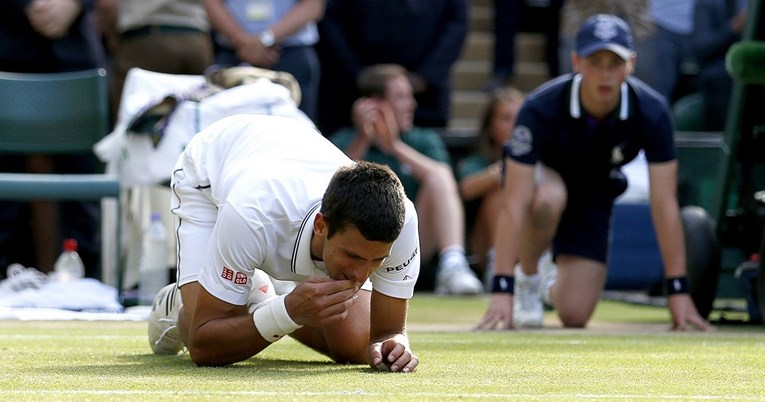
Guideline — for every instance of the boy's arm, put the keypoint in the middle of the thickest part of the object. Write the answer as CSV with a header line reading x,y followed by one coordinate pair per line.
x,y
669,233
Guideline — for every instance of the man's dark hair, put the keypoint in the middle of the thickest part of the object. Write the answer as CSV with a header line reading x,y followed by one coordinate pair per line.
x,y
367,196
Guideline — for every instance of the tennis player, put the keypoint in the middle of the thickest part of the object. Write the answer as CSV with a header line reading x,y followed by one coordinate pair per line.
x,y
279,233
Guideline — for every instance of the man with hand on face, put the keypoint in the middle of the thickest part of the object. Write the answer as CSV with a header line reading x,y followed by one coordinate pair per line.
x,y
572,136
279,233
383,131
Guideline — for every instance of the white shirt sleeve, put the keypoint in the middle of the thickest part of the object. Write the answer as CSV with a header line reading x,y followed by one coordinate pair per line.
x,y
398,275
234,251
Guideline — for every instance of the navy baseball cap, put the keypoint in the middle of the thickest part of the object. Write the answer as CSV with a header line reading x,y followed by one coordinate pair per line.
x,y
604,32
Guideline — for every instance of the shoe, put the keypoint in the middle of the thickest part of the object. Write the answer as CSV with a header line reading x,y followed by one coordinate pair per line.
x,y
549,273
528,311
19,278
457,279
164,336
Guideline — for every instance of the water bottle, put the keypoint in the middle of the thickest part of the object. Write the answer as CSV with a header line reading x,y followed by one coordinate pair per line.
x,y
69,266
153,264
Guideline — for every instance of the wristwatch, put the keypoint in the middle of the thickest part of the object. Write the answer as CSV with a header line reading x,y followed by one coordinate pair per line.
x,y
267,38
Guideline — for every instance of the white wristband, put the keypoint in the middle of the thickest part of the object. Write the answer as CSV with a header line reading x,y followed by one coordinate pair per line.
x,y
272,320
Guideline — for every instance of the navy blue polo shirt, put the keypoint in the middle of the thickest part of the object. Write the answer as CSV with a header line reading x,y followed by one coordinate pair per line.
x,y
553,128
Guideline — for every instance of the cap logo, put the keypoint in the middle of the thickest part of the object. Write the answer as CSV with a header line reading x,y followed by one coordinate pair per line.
x,y
605,30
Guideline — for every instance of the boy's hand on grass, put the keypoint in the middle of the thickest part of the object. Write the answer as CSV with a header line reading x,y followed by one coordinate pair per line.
x,y
500,313
684,314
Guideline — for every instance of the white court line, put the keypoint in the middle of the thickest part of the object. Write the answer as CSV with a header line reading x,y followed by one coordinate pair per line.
x,y
363,393
67,337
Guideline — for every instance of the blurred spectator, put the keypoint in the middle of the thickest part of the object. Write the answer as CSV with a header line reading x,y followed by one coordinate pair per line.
x,y
717,24
48,36
635,12
425,37
672,46
383,132
480,173
138,32
508,21
277,35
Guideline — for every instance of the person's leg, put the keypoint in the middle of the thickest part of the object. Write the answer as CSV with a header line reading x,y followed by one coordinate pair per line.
x,y
577,288
80,219
565,47
442,230
581,249
46,218
182,53
196,219
547,207
481,237
507,21
646,55
303,63
440,210
669,53
170,318
16,244
545,212
716,92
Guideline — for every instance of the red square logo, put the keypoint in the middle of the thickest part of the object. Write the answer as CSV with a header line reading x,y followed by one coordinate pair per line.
x,y
227,273
240,279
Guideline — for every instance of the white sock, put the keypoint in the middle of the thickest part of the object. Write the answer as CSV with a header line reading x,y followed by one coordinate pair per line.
x,y
452,255
520,275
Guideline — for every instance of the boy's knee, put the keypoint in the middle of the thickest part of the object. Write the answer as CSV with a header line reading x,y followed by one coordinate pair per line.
x,y
574,319
440,179
548,205
545,213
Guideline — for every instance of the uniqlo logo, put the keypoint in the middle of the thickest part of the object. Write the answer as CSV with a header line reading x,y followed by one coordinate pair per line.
x,y
240,279
227,273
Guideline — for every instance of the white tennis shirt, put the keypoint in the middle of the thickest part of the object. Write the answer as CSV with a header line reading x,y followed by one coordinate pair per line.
x,y
267,176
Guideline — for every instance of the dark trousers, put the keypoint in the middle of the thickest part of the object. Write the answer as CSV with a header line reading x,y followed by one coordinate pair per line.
x,y
186,51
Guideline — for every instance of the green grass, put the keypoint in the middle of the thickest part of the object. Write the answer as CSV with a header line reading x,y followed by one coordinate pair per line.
x,y
626,354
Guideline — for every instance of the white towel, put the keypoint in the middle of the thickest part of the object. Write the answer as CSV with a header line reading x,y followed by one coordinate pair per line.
x,y
85,294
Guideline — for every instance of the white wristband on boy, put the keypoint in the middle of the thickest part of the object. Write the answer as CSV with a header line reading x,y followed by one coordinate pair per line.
x,y
272,320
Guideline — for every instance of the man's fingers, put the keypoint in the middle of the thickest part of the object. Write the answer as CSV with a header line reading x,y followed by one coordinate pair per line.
x,y
692,322
394,356
702,324
490,323
329,286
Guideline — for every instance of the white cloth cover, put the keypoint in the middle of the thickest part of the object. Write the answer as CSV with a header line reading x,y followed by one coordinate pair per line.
x,y
134,157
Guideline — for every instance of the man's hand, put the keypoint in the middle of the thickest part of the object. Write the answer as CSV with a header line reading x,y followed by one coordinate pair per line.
x,y
393,354
684,312
500,313
52,18
386,128
321,301
252,51
364,113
